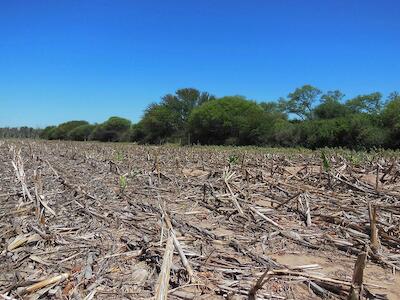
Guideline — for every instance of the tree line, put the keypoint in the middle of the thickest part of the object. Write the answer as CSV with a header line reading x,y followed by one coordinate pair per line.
x,y
20,132
307,117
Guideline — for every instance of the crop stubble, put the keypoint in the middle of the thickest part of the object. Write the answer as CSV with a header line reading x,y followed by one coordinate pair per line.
x,y
101,221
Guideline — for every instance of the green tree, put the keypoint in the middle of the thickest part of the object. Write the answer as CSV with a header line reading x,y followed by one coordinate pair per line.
x,y
229,120
370,103
301,101
47,132
191,98
81,133
274,108
362,122
137,133
117,124
391,119
168,120
321,133
284,133
357,131
331,106
61,132
158,124
111,130
184,101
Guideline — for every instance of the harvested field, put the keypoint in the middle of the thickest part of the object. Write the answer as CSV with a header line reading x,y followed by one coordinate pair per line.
x,y
119,221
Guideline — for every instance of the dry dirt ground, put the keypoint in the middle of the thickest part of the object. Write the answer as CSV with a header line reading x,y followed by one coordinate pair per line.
x,y
118,221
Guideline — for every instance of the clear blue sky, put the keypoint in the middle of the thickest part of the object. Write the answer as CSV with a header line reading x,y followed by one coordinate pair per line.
x,y
80,59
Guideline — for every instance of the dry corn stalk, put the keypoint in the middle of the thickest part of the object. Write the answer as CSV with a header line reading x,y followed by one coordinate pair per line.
x,y
163,278
259,284
90,295
22,239
377,178
227,175
178,247
37,286
270,221
5,297
358,275
308,212
374,237
20,173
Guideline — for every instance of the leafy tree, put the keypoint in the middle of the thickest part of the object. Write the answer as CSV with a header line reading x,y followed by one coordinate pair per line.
x,y
81,133
47,132
332,96
229,120
158,124
184,101
391,112
117,124
357,131
364,132
61,132
275,117
190,99
321,133
274,108
393,96
167,121
284,133
137,133
362,122
128,135
331,106
301,101
370,103
391,119
111,130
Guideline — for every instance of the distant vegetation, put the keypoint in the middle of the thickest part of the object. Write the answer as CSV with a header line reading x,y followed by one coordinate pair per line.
x,y
19,132
307,117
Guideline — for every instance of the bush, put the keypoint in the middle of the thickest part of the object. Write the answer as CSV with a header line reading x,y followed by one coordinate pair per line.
x,y
284,133
391,120
81,133
47,132
61,132
357,131
111,130
228,120
158,125
128,135
325,120
330,110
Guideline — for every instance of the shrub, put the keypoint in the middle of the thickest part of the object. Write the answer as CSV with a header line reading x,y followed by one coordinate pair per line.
x,y
158,124
227,120
391,120
61,132
81,133
357,131
111,130
47,132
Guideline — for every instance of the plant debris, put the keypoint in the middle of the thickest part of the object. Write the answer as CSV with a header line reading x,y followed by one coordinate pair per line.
x,y
166,222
